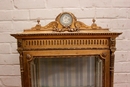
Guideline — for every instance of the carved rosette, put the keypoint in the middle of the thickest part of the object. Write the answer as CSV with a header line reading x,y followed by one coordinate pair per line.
x,y
29,58
103,55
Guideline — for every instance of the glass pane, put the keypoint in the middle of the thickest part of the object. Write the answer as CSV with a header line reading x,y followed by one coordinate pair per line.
x,y
67,72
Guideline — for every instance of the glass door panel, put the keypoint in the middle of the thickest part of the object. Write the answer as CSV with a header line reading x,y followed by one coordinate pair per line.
x,y
84,71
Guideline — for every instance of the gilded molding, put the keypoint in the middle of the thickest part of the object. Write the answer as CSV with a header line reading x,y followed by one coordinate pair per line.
x,y
81,25
62,34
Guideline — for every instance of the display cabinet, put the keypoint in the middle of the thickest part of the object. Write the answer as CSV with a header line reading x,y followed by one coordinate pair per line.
x,y
66,53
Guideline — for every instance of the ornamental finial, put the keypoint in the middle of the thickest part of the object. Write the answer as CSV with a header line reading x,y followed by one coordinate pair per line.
x,y
94,25
38,20
93,20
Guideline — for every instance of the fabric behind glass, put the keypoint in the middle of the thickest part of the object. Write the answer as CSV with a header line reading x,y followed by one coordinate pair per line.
x,y
67,72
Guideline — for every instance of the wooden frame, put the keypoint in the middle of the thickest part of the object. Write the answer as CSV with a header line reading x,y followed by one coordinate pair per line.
x,y
76,40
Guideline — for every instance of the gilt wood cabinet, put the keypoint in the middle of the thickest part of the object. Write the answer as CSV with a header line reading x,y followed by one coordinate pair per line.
x,y
66,53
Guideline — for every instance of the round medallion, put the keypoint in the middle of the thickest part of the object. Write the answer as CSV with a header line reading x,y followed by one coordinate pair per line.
x,y
66,19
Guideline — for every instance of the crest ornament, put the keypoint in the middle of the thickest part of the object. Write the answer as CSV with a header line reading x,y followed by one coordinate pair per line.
x,y
64,22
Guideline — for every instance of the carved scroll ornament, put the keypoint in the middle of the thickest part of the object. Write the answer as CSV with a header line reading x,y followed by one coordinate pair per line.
x,y
64,22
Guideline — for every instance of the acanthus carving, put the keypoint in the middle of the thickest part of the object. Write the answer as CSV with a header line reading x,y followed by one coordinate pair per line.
x,y
80,25
48,27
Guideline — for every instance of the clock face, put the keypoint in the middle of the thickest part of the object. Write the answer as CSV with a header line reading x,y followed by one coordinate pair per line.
x,y
66,19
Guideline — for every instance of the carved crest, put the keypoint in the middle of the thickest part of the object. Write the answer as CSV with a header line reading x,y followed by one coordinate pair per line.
x,y
64,22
